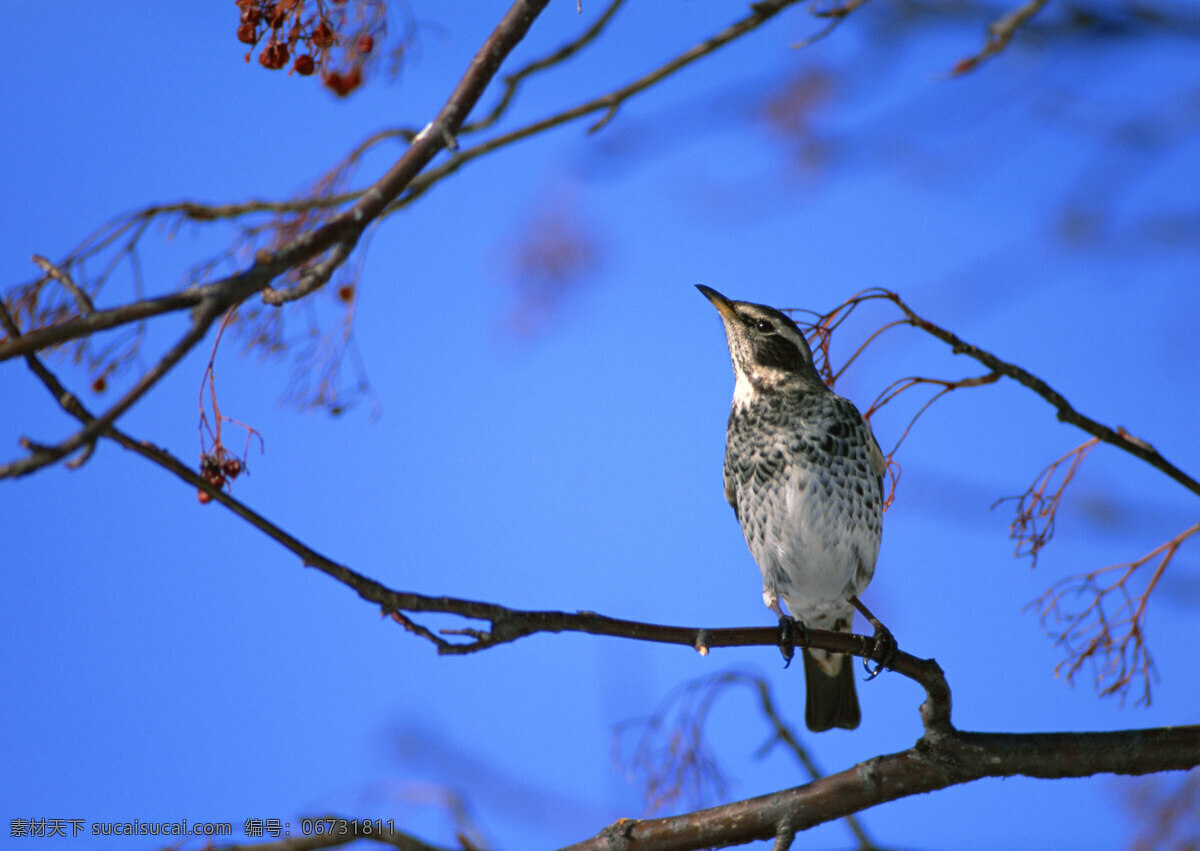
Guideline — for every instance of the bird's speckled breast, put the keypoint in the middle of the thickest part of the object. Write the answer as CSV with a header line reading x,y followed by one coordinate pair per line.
x,y
809,503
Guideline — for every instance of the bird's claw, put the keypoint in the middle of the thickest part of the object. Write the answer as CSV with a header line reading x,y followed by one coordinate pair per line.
x,y
883,648
789,628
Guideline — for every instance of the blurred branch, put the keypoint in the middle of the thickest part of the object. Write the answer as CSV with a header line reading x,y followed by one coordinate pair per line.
x,y
672,756
1168,811
42,455
933,763
1000,32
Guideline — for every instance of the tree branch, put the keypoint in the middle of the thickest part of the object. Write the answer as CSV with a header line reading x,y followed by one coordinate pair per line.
x,y
999,33
341,233
506,624
1117,437
608,103
1066,412
400,186
41,456
513,81
931,764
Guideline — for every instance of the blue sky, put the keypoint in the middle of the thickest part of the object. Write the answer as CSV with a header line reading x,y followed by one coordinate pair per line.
x,y
166,661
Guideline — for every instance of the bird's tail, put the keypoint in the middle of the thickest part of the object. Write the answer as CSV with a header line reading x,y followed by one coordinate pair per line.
x,y
832,700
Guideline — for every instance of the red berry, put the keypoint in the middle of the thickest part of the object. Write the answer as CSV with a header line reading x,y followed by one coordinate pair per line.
x,y
346,293
247,34
304,65
209,466
251,14
232,468
344,84
100,384
274,56
204,496
323,36
365,43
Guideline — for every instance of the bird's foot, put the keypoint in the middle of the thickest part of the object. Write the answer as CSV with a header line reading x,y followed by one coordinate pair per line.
x,y
883,645
883,648
789,628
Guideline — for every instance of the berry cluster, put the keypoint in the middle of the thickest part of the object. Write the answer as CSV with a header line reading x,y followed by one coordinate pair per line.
x,y
218,469
307,32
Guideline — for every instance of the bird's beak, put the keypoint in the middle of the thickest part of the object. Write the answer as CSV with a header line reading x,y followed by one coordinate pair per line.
x,y
723,305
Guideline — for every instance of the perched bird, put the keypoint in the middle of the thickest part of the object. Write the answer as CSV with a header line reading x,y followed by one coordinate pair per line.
x,y
805,478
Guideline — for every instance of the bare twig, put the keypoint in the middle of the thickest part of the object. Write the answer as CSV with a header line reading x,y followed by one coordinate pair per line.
x,y
82,300
1112,636
1033,527
513,81
101,320
1066,413
999,33
42,455
608,104
312,279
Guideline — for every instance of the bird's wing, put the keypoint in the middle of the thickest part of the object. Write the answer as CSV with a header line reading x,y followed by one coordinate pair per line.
x,y
878,464
731,489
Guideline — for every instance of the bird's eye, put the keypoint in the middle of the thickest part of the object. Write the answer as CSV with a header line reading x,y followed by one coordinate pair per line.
x,y
764,326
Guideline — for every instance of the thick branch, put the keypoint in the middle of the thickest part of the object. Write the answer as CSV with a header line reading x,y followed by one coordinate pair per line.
x,y
101,320
930,765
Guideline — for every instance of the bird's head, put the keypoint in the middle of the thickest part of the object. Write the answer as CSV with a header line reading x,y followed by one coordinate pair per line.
x,y
769,353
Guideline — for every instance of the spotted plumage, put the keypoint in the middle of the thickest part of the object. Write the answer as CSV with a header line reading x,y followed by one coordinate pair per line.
x,y
804,475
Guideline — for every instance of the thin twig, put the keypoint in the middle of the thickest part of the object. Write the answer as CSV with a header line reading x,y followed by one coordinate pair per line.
x,y
608,103
312,278
43,455
513,81
999,33
1117,437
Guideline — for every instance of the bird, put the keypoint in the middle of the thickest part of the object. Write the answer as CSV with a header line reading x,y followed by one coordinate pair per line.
x,y
804,475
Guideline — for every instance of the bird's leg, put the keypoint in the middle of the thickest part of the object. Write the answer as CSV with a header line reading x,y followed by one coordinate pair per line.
x,y
883,644
789,628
